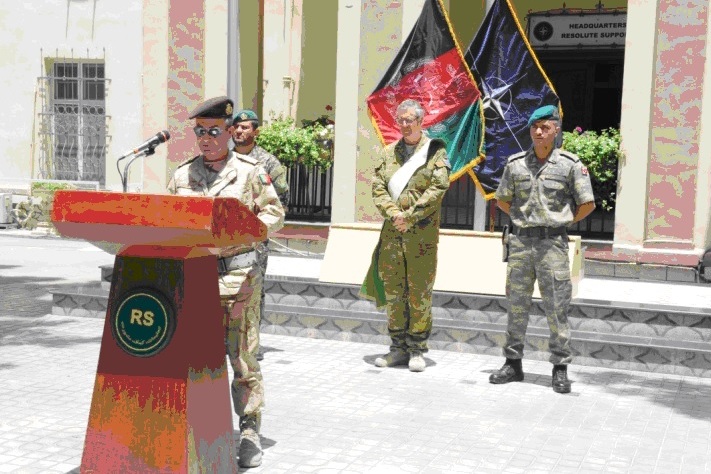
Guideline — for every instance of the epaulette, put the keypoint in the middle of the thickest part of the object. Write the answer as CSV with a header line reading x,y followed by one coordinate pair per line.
x,y
248,159
569,155
517,156
188,161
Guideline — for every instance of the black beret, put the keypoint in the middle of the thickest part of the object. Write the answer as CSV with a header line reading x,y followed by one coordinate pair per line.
x,y
217,107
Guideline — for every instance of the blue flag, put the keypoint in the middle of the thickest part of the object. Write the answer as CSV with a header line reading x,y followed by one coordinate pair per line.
x,y
513,84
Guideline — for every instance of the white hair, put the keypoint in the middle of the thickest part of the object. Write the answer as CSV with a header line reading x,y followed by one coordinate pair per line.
x,y
411,104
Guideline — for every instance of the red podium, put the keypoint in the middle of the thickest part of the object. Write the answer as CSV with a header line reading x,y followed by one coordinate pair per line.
x,y
161,400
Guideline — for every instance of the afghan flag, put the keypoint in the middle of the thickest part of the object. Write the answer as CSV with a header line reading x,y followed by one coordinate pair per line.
x,y
430,69
514,85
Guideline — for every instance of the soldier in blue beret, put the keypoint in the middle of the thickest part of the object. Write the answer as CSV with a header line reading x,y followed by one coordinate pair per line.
x,y
543,190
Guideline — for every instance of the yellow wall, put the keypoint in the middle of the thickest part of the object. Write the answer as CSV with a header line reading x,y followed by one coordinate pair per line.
x,y
318,60
466,15
249,54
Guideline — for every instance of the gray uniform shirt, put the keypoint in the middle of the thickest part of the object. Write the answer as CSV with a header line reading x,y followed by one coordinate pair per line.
x,y
544,194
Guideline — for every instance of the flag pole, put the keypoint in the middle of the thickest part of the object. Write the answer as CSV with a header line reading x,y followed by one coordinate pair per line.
x,y
480,204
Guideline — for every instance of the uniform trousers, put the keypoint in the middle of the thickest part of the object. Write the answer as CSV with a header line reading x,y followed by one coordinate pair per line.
x,y
240,294
545,260
407,263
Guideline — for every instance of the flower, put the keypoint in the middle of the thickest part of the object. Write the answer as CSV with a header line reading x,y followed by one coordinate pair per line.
x,y
329,108
578,129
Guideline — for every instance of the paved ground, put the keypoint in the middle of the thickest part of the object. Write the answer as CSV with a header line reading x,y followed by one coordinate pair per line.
x,y
329,410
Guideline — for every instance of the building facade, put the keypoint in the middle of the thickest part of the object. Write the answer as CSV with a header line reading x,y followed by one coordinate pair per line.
x,y
94,79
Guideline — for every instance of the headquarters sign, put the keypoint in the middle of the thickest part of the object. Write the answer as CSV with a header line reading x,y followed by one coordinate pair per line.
x,y
571,30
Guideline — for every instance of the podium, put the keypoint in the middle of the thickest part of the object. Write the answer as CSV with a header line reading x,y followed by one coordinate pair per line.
x,y
161,400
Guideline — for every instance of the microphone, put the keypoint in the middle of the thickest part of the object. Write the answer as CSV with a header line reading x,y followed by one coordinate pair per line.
x,y
147,148
154,141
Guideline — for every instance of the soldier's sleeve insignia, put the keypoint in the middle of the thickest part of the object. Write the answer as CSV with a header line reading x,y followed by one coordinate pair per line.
x,y
265,178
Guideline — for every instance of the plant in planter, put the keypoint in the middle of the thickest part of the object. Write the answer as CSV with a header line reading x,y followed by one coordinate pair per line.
x,y
308,145
600,153
35,210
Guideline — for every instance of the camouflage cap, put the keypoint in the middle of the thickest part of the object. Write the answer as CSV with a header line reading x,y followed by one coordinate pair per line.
x,y
217,107
544,113
244,115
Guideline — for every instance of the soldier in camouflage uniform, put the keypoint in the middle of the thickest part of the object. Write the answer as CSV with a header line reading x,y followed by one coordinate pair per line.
x,y
543,190
410,180
245,128
217,171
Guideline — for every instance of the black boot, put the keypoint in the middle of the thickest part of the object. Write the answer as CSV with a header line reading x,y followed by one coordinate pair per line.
x,y
510,372
560,381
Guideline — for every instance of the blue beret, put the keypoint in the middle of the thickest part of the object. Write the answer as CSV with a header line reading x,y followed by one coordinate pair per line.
x,y
217,107
543,113
244,115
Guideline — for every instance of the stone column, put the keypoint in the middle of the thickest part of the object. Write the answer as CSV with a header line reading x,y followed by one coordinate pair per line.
x,y
343,209
174,82
382,34
663,129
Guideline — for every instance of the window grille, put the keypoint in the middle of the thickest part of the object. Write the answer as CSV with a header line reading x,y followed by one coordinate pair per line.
x,y
73,122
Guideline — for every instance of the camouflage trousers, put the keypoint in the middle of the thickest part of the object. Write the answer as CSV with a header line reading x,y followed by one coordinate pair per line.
x,y
407,264
262,261
545,260
240,293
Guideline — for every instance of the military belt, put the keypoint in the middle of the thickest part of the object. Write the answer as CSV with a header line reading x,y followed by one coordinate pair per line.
x,y
540,232
242,260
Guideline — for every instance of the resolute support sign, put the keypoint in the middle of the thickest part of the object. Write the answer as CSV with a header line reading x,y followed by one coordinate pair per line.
x,y
597,30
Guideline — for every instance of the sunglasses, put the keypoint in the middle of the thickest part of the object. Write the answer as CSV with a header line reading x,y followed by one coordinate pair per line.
x,y
405,120
213,131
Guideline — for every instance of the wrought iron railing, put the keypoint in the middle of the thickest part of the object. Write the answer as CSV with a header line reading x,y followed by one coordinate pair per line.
x,y
310,189
311,201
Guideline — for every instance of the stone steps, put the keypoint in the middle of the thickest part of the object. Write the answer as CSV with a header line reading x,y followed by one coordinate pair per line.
x,y
650,339
623,336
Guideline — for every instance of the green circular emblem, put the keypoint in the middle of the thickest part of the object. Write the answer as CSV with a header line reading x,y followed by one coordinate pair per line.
x,y
143,323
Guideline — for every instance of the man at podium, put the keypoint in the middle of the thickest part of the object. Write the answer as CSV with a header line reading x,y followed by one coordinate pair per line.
x,y
217,171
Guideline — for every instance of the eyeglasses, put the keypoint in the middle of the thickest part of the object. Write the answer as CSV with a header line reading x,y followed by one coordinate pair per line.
x,y
213,131
406,120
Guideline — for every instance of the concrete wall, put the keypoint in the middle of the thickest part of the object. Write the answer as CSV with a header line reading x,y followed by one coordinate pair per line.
x,y
79,29
283,24
317,77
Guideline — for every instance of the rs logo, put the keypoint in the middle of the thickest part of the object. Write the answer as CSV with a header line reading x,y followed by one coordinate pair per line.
x,y
141,318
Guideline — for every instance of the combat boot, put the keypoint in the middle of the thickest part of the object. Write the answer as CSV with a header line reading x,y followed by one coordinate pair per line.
x,y
250,448
417,362
560,381
511,371
392,358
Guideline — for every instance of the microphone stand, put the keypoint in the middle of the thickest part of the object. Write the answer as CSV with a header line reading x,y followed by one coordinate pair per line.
x,y
124,177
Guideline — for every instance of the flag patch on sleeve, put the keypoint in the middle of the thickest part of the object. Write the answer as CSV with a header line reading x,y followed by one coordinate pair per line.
x,y
265,179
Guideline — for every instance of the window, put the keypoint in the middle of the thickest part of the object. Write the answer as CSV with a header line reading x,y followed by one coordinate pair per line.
x,y
73,132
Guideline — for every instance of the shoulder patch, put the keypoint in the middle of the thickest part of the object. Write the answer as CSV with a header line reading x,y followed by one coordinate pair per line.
x,y
265,179
247,159
572,157
188,161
